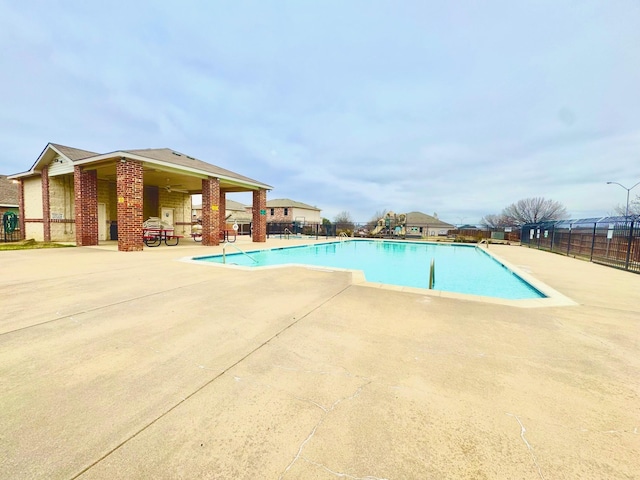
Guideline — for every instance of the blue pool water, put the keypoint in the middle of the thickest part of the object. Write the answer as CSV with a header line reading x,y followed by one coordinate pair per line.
x,y
458,268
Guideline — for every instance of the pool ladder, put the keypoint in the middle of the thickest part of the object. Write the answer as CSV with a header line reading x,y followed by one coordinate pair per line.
x,y
432,274
224,252
342,236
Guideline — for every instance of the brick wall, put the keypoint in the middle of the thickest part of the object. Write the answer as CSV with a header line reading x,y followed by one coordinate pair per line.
x,y
259,221
181,204
279,216
61,209
46,210
130,193
85,186
21,207
211,211
223,211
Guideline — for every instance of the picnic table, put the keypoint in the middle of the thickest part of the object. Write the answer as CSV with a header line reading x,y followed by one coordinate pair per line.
x,y
225,235
153,237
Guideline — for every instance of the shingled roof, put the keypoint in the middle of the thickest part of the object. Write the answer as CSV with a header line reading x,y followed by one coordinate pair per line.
x,y
163,157
8,192
419,218
73,153
285,202
171,156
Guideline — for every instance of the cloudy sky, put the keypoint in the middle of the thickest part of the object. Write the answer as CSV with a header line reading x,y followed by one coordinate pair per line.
x,y
455,107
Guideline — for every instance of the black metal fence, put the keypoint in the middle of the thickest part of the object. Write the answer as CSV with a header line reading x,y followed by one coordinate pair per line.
x,y
9,227
293,230
612,241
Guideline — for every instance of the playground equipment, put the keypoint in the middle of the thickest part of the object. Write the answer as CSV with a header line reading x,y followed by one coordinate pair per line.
x,y
391,224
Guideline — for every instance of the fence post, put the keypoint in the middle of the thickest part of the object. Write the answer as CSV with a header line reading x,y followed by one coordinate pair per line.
x,y
593,240
629,242
569,242
553,234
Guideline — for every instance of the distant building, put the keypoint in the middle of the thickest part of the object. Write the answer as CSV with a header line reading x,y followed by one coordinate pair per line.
x,y
283,210
235,213
422,225
8,195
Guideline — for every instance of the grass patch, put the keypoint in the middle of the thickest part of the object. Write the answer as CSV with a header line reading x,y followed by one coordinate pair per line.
x,y
30,245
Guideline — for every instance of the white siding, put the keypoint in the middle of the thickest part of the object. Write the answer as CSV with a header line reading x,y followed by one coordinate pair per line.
x,y
32,198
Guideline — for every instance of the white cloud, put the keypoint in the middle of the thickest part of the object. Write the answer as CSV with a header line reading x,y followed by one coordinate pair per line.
x,y
458,108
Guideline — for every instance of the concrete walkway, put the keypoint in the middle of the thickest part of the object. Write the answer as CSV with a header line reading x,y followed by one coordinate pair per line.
x,y
138,365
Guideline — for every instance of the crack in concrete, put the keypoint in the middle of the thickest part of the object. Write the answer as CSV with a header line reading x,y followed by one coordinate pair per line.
x,y
529,447
317,425
342,474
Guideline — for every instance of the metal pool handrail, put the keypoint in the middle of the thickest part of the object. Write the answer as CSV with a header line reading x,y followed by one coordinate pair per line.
x,y
224,252
432,274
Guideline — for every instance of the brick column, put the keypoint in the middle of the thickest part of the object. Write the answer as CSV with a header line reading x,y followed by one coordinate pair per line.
x,y
21,221
130,193
211,211
259,221
85,186
223,210
46,204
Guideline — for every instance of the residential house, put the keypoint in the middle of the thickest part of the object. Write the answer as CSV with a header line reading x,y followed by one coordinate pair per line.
x,y
283,210
235,213
422,225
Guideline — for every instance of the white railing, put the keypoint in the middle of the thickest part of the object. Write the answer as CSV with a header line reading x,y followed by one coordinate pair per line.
x,y
224,252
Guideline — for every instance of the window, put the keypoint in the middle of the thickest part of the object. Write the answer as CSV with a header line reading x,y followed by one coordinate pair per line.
x,y
272,211
286,212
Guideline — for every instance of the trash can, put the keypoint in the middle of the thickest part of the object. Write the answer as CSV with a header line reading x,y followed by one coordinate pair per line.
x,y
113,231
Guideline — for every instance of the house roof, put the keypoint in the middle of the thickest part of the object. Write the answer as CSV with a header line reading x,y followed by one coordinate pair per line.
x,y
168,155
8,192
163,166
229,204
72,153
285,202
233,205
419,218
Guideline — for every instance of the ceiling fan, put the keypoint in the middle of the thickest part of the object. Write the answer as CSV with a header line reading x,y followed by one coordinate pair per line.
x,y
169,187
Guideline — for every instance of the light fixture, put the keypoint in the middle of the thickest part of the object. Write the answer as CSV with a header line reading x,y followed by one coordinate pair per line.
x,y
626,211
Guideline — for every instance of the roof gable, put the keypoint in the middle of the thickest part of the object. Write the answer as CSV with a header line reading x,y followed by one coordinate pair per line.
x,y
72,153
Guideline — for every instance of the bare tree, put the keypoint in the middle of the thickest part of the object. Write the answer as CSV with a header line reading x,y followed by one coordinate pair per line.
x,y
344,223
534,210
371,224
634,207
496,221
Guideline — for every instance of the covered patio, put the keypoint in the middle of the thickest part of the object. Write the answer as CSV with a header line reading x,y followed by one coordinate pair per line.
x,y
77,195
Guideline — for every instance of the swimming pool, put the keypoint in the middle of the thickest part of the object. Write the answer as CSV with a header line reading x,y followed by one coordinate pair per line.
x,y
458,268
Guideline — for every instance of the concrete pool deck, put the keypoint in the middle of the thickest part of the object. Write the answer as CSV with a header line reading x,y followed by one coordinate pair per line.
x,y
138,365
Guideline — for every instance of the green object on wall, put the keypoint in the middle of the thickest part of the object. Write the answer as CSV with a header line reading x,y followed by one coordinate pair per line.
x,y
10,222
